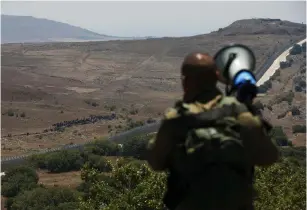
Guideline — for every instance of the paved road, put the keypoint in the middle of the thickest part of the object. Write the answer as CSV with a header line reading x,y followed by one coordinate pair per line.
x,y
270,66
275,65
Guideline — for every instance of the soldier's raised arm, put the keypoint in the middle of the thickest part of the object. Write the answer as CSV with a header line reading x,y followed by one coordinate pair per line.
x,y
162,144
257,141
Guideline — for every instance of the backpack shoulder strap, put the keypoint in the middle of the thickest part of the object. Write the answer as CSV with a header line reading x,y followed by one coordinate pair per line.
x,y
227,100
198,107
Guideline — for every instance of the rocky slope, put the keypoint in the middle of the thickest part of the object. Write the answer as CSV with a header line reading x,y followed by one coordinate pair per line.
x,y
285,101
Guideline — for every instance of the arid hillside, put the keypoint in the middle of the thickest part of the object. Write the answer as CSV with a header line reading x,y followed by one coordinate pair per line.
x,y
44,84
285,101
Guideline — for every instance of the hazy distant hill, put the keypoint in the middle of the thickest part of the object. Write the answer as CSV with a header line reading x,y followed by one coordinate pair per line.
x,y
262,26
30,29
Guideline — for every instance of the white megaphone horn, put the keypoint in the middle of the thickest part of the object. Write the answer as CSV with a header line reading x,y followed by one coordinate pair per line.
x,y
236,63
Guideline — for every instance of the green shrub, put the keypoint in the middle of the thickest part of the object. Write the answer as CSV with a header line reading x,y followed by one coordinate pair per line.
x,y
134,111
298,88
133,124
136,146
259,105
295,111
275,75
270,107
59,129
265,86
10,113
38,161
98,162
91,102
302,83
23,114
280,137
295,154
284,64
288,97
112,108
296,49
18,179
63,161
103,148
94,104
299,129
67,206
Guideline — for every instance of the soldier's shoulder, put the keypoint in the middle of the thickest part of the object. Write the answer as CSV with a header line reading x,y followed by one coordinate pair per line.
x,y
177,110
230,100
173,112
170,113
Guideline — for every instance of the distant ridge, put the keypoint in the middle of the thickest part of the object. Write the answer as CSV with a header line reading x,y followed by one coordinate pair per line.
x,y
15,29
262,26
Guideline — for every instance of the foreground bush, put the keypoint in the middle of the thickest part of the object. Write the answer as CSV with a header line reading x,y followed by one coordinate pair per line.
x,y
45,198
281,186
97,162
17,180
133,185
294,154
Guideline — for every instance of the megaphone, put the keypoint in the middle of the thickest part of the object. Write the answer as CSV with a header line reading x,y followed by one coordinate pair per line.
x,y
236,63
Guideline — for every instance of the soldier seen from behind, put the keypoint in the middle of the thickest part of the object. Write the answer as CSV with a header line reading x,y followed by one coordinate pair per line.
x,y
209,144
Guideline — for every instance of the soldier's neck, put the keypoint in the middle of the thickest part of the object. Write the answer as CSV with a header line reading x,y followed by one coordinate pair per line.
x,y
204,96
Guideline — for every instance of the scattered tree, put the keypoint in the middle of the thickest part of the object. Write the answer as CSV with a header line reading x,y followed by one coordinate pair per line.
x,y
299,129
295,111
10,113
18,179
296,49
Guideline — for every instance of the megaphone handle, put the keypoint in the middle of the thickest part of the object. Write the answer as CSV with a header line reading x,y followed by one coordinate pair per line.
x,y
252,108
231,58
255,111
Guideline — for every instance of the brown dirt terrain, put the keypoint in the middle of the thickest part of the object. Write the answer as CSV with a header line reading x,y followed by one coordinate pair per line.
x,y
53,82
67,179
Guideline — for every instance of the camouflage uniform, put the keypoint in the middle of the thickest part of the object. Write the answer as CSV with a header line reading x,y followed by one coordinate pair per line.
x,y
167,152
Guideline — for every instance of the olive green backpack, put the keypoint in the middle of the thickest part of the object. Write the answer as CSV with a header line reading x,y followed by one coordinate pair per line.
x,y
212,159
